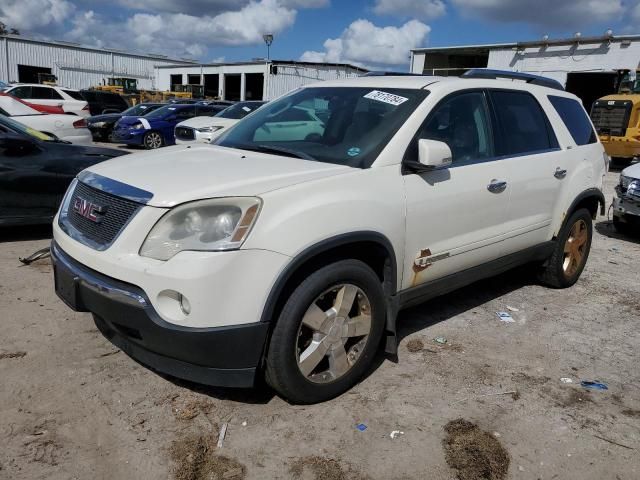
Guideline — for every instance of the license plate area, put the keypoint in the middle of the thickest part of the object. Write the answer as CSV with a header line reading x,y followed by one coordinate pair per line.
x,y
66,285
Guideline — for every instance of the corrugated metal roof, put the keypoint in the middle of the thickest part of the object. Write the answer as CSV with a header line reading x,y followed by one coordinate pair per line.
x,y
79,46
276,62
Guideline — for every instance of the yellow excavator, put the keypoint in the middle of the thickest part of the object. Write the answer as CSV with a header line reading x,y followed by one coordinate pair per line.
x,y
128,88
617,119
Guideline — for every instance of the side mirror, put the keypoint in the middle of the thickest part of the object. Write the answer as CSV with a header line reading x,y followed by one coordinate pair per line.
x,y
433,154
110,110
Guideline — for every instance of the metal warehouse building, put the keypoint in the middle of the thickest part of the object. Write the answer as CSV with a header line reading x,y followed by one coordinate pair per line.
x,y
588,66
75,66
256,80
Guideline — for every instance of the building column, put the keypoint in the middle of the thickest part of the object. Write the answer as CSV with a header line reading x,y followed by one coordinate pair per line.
x,y
243,87
221,86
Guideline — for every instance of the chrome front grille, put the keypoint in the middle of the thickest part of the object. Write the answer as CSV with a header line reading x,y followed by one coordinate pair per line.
x,y
185,133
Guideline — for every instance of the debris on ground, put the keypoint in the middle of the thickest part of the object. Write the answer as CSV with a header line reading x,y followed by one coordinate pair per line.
x,y
440,340
593,385
324,469
474,453
505,317
614,443
195,460
415,345
631,413
12,355
395,434
223,433
566,380
361,426
515,394
189,408
40,254
512,309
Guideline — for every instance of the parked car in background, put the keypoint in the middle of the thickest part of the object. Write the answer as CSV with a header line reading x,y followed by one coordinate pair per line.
x,y
101,126
45,108
286,252
103,102
155,129
68,99
35,171
626,203
69,128
205,129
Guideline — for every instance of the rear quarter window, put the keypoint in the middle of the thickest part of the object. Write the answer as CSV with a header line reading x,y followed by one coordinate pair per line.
x,y
575,119
73,94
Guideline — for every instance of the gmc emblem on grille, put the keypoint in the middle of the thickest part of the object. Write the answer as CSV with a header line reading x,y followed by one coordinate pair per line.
x,y
89,210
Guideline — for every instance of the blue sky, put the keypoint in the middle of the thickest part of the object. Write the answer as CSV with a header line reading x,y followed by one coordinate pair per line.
x,y
367,32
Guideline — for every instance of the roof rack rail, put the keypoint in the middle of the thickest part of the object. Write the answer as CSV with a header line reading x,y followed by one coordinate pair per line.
x,y
384,73
525,77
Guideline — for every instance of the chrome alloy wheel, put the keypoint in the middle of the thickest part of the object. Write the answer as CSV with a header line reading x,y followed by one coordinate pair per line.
x,y
575,248
153,140
333,333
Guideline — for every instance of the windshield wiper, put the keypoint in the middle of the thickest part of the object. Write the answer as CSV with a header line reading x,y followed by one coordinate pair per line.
x,y
277,150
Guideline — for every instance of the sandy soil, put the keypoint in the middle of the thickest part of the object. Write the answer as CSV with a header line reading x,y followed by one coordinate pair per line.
x,y
74,407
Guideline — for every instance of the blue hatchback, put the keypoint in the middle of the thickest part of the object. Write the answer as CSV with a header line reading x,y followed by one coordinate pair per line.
x,y
155,129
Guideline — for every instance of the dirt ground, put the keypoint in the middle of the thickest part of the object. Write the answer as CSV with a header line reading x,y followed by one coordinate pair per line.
x,y
74,407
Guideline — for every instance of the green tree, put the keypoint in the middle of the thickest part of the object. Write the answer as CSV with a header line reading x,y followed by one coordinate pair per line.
x,y
4,30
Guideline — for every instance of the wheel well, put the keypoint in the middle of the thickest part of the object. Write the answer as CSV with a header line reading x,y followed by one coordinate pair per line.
x,y
375,255
591,203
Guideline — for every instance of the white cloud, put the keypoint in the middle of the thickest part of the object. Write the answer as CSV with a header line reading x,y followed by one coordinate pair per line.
x,y
364,43
34,14
426,9
544,13
207,7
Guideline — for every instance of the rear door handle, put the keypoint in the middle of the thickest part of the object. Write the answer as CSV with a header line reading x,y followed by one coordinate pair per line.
x,y
560,173
497,186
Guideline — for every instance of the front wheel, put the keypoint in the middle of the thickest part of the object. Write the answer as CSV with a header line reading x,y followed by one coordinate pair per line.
x,y
573,245
152,140
327,334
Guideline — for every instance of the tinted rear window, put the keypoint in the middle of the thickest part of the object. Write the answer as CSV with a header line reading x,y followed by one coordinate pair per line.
x,y
73,94
575,119
524,127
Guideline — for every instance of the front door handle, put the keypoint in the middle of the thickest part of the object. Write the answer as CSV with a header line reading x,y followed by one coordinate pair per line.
x,y
560,173
497,186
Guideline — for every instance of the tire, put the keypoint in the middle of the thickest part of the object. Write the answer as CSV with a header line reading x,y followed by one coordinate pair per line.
x,y
152,140
318,300
564,267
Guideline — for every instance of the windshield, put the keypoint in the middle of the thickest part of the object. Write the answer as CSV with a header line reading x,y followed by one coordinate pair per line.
x,y
239,110
139,110
343,125
30,132
630,83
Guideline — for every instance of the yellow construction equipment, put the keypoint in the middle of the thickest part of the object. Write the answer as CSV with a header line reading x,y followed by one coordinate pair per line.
x,y
617,119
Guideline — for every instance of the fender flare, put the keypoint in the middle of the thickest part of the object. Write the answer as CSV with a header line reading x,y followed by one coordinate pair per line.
x,y
589,193
389,285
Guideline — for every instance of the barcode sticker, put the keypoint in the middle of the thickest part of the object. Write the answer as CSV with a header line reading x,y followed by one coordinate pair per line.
x,y
385,97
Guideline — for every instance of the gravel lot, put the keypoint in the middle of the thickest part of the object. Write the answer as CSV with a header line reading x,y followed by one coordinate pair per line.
x,y
73,406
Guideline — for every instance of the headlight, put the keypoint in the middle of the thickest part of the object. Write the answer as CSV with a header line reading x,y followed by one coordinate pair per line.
x,y
206,225
137,126
209,129
634,188
625,181
98,124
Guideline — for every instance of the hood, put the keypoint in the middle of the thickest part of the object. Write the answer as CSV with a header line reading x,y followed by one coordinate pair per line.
x,y
184,173
199,122
126,120
107,117
632,171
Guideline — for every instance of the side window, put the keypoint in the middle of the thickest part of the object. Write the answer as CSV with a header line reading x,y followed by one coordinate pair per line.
x,y
73,94
575,119
524,127
44,93
21,92
462,122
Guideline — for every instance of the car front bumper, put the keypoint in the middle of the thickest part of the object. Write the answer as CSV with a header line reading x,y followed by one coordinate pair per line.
x,y
129,136
626,207
223,356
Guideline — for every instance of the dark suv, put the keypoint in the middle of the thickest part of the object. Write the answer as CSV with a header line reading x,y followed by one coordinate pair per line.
x,y
104,102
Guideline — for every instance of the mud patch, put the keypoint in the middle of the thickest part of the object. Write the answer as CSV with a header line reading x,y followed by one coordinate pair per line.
x,y
415,345
43,450
195,459
323,469
575,398
474,453
523,378
631,413
189,408
12,355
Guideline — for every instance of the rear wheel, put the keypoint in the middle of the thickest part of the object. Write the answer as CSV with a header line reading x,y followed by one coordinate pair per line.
x,y
573,245
327,334
152,140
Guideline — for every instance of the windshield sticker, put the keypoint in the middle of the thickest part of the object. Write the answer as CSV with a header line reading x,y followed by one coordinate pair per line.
x,y
246,109
38,134
172,108
385,97
353,152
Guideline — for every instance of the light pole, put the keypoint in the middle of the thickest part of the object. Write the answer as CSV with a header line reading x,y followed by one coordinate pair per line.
x,y
268,39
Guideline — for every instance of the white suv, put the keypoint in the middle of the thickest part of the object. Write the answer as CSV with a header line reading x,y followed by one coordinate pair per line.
x,y
71,101
290,257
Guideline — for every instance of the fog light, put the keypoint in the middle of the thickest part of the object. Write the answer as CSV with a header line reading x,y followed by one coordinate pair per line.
x,y
185,306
